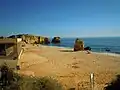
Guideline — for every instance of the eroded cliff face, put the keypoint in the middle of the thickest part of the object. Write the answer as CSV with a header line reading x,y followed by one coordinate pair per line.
x,y
31,39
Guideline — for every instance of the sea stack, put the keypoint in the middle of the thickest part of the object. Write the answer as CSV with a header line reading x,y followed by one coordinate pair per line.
x,y
79,45
56,40
46,40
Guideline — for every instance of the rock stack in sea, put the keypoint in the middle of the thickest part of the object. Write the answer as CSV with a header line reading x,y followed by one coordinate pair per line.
x,y
79,45
56,40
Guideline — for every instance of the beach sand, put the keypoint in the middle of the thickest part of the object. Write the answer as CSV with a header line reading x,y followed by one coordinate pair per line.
x,y
69,67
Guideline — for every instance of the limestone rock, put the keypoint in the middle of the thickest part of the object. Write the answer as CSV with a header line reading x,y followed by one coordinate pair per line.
x,y
31,39
79,45
56,40
46,40
87,48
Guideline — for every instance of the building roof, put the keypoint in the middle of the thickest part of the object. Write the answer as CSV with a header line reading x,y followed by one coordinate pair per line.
x,y
10,40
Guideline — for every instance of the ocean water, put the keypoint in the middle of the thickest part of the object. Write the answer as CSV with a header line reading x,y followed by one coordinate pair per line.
x,y
97,44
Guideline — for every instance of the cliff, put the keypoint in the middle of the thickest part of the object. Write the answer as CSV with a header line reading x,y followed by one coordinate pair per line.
x,y
30,39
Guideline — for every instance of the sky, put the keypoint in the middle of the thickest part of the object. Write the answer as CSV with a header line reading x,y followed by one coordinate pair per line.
x,y
64,18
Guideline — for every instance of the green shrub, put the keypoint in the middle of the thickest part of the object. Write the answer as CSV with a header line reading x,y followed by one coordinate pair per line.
x,y
114,85
47,83
43,83
17,82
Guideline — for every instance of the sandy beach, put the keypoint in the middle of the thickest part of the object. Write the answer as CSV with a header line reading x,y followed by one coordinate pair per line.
x,y
70,68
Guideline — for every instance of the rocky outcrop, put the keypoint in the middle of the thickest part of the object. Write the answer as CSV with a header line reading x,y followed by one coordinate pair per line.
x,y
32,39
29,39
43,40
46,40
56,40
79,45
87,48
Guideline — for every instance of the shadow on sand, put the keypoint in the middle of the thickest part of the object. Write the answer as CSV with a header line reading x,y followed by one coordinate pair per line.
x,y
66,51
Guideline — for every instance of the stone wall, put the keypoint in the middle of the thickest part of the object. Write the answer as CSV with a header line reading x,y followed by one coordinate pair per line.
x,y
2,49
19,48
9,48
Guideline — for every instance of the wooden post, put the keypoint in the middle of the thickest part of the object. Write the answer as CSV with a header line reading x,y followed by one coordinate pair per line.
x,y
78,85
92,81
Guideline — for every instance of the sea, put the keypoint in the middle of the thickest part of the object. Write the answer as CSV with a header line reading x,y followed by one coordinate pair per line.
x,y
99,44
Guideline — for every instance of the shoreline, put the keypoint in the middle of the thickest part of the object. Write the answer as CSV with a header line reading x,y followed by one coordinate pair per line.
x,y
69,48
106,53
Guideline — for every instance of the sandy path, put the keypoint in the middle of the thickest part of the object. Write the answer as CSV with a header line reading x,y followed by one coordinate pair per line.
x,y
69,67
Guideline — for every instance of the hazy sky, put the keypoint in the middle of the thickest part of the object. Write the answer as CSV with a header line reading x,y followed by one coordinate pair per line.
x,y
67,18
